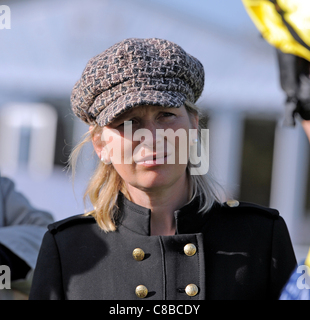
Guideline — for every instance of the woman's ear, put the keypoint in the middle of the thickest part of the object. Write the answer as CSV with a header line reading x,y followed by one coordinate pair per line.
x,y
100,145
96,140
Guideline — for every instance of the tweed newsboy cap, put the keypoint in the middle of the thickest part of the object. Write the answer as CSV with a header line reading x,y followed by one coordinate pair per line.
x,y
136,72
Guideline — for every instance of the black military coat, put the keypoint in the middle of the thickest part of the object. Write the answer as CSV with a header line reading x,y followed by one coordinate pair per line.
x,y
241,251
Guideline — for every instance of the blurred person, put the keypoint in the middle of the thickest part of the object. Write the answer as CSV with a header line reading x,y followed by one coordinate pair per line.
x,y
285,25
295,82
21,231
157,231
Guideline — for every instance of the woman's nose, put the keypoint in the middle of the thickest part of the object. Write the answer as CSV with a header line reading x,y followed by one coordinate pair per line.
x,y
151,137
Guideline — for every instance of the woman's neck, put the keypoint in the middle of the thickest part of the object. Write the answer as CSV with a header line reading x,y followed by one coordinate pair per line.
x,y
163,203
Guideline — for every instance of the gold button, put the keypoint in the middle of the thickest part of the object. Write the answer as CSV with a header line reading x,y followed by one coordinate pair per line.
x,y
190,249
141,291
191,290
232,203
138,254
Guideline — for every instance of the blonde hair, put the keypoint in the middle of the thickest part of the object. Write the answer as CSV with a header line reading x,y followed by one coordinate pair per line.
x,y
105,184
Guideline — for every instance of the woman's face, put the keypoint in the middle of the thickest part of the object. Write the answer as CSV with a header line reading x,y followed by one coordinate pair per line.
x,y
143,151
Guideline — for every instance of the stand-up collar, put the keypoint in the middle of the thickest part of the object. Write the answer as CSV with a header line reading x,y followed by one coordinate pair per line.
x,y
138,218
133,216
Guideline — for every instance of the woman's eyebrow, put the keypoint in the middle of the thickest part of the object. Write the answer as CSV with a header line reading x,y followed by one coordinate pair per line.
x,y
134,112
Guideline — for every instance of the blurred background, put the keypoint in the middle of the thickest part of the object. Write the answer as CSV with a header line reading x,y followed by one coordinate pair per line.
x,y
44,53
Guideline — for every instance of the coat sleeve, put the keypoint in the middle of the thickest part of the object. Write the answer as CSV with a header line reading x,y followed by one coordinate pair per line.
x,y
283,260
21,227
47,280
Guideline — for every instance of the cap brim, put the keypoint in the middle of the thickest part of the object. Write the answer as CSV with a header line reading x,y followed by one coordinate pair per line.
x,y
130,100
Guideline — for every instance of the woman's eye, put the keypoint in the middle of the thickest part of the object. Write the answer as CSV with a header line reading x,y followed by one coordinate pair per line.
x,y
132,121
167,115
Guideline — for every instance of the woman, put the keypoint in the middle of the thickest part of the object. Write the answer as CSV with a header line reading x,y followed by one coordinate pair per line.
x,y
157,231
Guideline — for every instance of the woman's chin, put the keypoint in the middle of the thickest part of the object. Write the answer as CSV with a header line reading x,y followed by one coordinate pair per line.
x,y
156,180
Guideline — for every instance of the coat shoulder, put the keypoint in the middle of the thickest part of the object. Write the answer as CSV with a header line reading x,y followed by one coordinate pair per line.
x,y
250,208
69,222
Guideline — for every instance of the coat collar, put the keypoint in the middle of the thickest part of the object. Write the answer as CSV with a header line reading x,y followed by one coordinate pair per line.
x,y
138,218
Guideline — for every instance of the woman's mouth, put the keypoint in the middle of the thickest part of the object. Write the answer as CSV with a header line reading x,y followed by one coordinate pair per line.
x,y
152,160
